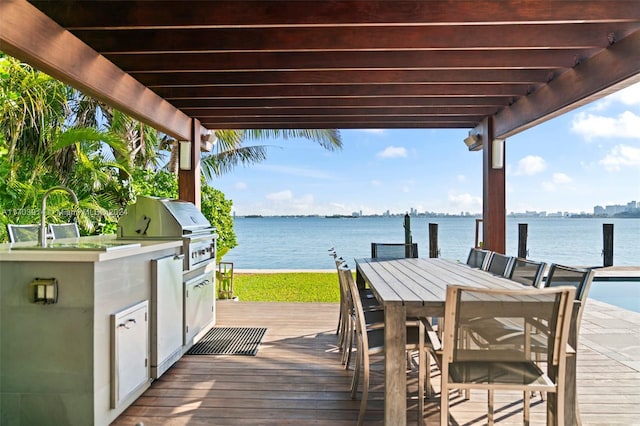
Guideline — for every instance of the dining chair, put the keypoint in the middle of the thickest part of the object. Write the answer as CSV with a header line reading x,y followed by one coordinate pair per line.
x,y
580,279
370,341
64,230
345,328
465,365
22,233
394,250
500,264
478,258
527,272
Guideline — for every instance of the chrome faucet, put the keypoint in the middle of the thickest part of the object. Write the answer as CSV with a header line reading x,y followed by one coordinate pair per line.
x,y
43,225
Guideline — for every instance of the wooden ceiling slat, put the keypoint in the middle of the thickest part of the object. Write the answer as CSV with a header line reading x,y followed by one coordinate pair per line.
x,y
328,102
377,124
373,111
181,13
482,37
354,90
176,79
301,61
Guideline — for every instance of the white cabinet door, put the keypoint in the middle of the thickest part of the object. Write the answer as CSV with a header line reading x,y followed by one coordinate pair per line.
x,y
198,305
166,313
129,351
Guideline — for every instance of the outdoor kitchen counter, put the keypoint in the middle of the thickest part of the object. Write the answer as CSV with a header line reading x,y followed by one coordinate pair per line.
x,y
96,248
63,361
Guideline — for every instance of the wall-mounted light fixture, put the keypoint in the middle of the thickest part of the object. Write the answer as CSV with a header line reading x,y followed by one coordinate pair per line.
x,y
497,153
208,140
44,290
473,141
185,155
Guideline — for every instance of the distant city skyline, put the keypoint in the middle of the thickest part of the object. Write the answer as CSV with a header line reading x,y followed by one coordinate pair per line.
x,y
587,157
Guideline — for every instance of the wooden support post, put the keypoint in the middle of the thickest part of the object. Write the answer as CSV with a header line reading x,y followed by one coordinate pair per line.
x,y
522,240
493,191
607,243
433,240
189,180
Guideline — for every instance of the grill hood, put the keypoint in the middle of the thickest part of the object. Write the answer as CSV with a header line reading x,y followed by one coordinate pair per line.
x,y
152,217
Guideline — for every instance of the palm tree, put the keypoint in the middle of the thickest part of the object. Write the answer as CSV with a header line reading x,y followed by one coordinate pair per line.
x,y
230,150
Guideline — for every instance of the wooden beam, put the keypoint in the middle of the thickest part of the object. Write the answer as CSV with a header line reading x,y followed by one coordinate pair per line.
x,y
343,90
276,13
357,60
328,102
29,35
494,210
608,71
328,124
334,38
222,78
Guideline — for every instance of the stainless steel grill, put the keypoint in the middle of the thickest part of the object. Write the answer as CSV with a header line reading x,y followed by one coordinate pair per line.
x,y
165,219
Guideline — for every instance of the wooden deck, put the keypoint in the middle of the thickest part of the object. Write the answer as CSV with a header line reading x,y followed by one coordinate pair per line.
x,y
297,379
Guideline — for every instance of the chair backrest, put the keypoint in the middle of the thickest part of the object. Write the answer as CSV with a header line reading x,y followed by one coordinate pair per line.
x,y
478,258
393,250
21,233
521,307
580,279
354,302
500,264
64,230
527,272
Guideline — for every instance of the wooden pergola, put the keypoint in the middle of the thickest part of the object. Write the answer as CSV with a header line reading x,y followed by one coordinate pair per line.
x,y
183,67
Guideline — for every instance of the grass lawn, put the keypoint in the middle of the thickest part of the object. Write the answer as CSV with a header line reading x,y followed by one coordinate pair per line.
x,y
287,287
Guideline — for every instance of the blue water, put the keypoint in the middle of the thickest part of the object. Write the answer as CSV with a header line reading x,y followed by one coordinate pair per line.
x,y
302,243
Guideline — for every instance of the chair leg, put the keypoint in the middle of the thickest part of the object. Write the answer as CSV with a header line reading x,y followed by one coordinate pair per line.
x,y
444,406
490,407
356,369
526,409
365,390
422,371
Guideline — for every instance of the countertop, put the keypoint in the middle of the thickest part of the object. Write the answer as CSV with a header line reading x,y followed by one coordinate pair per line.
x,y
79,249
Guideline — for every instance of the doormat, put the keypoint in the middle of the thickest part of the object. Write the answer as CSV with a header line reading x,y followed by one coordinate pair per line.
x,y
229,341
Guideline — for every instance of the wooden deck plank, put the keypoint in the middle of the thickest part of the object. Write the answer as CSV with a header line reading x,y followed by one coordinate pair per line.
x,y
296,377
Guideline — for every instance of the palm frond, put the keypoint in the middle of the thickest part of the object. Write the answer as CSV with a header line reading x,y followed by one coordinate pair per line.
x,y
214,165
327,138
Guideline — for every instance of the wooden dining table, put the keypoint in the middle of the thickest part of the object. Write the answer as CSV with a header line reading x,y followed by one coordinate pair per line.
x,y
417,288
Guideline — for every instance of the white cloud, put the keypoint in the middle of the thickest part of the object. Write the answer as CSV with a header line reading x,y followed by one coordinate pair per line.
x,y
405,189
392,152
561,178
531,165
374,131
376,183
593,126
240,185
557,179
461,178
465,202
628,96
621,156
285,195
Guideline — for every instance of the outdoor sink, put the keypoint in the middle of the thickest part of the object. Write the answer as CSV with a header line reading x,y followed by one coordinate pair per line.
x,y
83,246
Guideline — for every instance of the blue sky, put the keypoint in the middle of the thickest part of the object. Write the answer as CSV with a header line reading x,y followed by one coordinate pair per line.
x,y
589,156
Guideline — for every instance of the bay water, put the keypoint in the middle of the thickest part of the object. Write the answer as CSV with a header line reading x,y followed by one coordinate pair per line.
x,y
303,243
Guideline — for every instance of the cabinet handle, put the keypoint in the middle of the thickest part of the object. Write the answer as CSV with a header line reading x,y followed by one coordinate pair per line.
x,y
128,323
202,284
